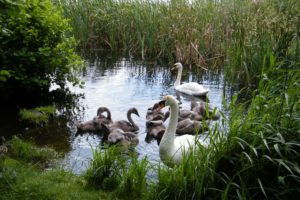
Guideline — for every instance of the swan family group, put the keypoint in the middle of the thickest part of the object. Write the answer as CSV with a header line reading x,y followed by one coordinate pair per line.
x,y
174,139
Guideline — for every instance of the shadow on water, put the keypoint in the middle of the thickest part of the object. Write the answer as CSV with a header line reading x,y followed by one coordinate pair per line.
x,y
57,133
119,85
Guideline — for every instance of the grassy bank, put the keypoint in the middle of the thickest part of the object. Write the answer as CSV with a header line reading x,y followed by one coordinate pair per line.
x,y
237,34
29,172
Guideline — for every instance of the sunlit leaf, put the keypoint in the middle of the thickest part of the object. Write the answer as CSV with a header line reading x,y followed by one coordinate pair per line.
x,y
276,147
248,157
261,187
281,162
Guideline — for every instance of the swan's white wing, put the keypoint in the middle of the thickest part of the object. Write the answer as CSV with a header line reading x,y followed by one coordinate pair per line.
x,y
184,142
182,145
192,88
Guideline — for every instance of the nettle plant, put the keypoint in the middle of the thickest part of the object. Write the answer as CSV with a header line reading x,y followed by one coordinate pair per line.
x,y
35,50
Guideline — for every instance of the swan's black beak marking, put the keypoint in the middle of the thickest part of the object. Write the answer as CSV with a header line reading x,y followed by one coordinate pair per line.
x,y
162,104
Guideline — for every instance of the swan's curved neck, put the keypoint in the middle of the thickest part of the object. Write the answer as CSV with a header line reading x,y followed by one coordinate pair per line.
x,y
178,79
108,114
102,110
168,138
130,119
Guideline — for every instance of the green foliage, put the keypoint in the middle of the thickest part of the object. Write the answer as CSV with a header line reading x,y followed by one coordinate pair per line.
x,y
265,28
204,32
122,174
39,115
34,49
28,152
189,180
133,183
19,180
148,28
4,74
261,159
104,170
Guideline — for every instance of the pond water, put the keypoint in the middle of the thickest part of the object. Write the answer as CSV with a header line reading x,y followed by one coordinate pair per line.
x,y
120,85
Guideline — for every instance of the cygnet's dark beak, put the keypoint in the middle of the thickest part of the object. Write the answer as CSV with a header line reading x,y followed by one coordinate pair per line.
x,y
162,104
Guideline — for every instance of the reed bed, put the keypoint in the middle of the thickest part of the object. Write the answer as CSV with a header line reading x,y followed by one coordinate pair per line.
x,y
208,33
148,28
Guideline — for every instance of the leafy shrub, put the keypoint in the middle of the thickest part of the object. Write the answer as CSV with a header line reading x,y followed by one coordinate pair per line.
x,y
34,49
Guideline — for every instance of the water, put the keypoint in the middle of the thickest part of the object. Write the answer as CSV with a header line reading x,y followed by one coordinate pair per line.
x,y
120,85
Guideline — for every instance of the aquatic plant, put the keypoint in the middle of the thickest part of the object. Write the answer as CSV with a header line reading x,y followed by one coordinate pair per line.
x,y
234,34
105,167
30,153
39,115
147,28
133,183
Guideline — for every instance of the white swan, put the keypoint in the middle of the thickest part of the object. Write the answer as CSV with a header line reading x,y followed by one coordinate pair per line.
x,y
191,88
171,148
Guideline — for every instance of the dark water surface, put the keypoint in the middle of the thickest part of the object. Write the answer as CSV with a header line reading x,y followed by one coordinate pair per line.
x,y
118,85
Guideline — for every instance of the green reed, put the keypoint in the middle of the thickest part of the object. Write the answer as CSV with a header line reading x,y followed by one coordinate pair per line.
x,y
205,33
146,28
104,170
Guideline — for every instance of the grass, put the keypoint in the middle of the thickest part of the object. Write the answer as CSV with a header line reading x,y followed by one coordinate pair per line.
x,y
27,152
39,115
104,171
23,177
123,175
24,181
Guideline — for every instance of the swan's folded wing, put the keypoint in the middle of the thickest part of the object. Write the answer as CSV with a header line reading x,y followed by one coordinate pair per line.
x,y
192,88
184,142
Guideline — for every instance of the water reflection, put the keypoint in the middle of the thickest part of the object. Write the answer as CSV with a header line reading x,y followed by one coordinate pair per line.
x,y
118,85
122,84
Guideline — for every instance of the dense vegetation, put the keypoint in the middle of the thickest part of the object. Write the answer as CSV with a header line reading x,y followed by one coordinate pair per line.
x,y
253,154
234,33
34,49
22,175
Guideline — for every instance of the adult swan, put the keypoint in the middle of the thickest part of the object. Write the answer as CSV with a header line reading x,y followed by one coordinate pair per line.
x,y
171,148
191,88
